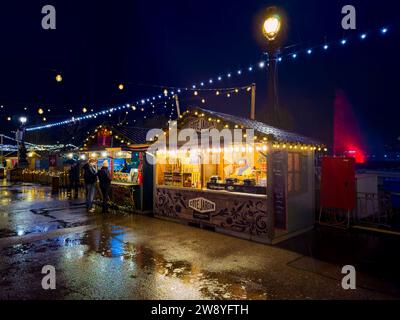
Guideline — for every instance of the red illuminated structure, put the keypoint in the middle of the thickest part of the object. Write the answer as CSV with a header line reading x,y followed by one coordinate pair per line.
x,y
347,139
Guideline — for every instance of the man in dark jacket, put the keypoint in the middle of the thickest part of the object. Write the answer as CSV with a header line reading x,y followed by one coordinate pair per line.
x,y
74,179
105,183
90,178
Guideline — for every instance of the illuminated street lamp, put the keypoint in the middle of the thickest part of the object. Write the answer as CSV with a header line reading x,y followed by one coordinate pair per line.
x,y
19,136
271,29
59,78
23,120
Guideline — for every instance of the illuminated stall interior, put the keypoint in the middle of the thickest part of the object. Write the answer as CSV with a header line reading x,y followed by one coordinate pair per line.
x,y
233,166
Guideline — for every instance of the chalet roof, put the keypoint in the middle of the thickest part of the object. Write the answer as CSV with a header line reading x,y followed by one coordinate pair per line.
x,y
135,135
278,135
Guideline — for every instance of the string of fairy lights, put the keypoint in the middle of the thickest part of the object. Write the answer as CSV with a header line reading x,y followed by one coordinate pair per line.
x,y
204,86
33,146
140,106
261,141
293,55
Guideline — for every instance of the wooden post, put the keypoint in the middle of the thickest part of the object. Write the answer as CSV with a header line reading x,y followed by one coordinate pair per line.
x,y
178,110
253,102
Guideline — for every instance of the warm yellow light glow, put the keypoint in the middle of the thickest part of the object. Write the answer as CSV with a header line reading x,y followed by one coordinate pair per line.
x,y
84,110
121,86
271,27
40,111
58,78
196,93
94,155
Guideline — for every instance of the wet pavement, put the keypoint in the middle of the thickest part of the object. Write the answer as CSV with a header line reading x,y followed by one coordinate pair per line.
x,y
120,256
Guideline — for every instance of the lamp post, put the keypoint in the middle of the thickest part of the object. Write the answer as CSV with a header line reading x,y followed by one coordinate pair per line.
x,y
271,30
22,161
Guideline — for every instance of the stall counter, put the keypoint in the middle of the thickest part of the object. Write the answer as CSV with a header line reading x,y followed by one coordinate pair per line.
x,y
239,214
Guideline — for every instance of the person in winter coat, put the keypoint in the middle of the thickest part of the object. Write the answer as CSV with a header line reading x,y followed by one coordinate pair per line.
x,y
105,184
90,179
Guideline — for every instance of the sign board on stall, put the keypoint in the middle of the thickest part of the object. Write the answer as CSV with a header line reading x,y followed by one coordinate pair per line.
x,y
202,205
199,124
279,191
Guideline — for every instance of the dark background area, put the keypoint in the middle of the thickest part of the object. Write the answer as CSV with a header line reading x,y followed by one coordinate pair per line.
x,y
99,44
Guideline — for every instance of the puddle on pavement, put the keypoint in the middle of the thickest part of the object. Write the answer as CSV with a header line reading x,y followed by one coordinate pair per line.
x,y
108,241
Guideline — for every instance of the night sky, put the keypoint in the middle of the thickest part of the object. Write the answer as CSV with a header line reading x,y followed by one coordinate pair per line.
x,y
99,44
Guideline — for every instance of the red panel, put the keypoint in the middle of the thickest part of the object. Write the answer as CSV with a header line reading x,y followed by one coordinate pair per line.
x,y
104,138
338,183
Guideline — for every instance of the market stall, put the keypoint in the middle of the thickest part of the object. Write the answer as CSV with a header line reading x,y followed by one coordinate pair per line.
x,y
125,151
260,188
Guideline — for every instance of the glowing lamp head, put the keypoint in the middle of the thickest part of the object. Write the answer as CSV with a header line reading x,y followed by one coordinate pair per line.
x,y
271,27
121,86
40,111
23,120
58,78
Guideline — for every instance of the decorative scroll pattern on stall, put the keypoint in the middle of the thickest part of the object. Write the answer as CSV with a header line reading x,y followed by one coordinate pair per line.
x,y
241,214
279,171
123,197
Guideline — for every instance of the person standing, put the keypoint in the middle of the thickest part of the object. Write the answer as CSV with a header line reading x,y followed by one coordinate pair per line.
x,y
105,183
74,179
90,179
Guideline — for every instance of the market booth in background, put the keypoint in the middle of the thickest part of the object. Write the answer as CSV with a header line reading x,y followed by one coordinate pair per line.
x,y
263,190
124,148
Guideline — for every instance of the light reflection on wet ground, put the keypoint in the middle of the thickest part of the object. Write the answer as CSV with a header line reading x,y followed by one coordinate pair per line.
x,y
134,257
